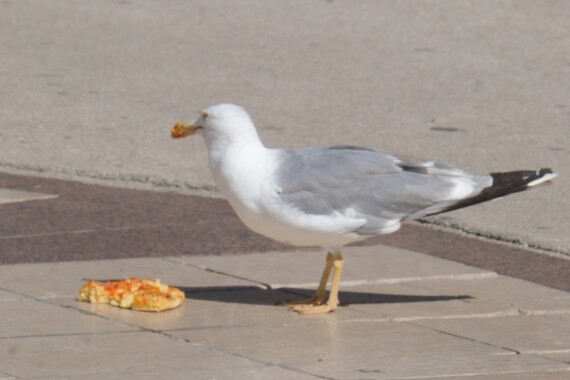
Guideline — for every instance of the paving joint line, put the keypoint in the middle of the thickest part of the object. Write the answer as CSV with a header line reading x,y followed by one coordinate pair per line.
x,y
21,295
399,280
547,352
472,340
7,376
469,375
207,269
532,313
268,364
558,361
67,334
46,301
498,314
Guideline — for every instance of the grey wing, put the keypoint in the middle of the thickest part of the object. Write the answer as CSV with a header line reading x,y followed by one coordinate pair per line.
x,y
373,186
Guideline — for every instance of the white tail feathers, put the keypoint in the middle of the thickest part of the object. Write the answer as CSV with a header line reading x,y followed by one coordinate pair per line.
x,y
503,183
545,178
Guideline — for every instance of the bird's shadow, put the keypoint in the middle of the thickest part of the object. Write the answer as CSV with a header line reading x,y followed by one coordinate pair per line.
x,y
254,295
259,296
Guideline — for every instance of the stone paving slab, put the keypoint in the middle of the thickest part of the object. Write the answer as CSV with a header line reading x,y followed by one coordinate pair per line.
x,y
408,302
231,308
563,374
253,373
64,279
106,354
522,295
366,350
26,318
533,334
419,318
247,306
378,264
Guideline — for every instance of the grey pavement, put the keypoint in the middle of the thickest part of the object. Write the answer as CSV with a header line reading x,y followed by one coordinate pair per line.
x,y
403,315
89,90
407,311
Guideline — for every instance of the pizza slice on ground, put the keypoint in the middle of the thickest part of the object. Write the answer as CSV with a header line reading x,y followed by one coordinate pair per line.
x,y
133,293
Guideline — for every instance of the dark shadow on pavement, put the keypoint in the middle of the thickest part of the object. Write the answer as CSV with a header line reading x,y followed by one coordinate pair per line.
x,y
260,296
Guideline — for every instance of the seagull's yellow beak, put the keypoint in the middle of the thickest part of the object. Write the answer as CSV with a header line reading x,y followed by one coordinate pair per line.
x,y
180,130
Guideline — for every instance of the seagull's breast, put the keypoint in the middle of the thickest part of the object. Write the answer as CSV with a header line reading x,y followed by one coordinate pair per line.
x,y
246,177
242,174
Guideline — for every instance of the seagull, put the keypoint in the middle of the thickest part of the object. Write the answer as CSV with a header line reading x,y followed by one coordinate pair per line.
x,y
332,196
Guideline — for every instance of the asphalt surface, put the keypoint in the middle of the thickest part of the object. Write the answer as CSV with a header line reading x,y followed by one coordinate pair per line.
x,y
89,90
89,222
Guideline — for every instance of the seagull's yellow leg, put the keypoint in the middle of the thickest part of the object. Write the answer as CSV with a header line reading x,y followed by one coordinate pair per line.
x,y
332,302
320,295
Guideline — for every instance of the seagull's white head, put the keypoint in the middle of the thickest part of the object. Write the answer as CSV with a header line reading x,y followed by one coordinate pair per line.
x,y
221,123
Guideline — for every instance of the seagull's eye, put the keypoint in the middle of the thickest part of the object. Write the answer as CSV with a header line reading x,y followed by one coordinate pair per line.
x,y
205,115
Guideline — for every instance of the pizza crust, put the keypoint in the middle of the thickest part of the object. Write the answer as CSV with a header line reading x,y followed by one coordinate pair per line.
x,y
133,293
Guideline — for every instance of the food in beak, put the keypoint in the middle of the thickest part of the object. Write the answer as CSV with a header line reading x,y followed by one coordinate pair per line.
x,y
180,130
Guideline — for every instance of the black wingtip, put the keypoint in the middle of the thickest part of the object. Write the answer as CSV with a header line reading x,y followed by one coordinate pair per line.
x,y
505,183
